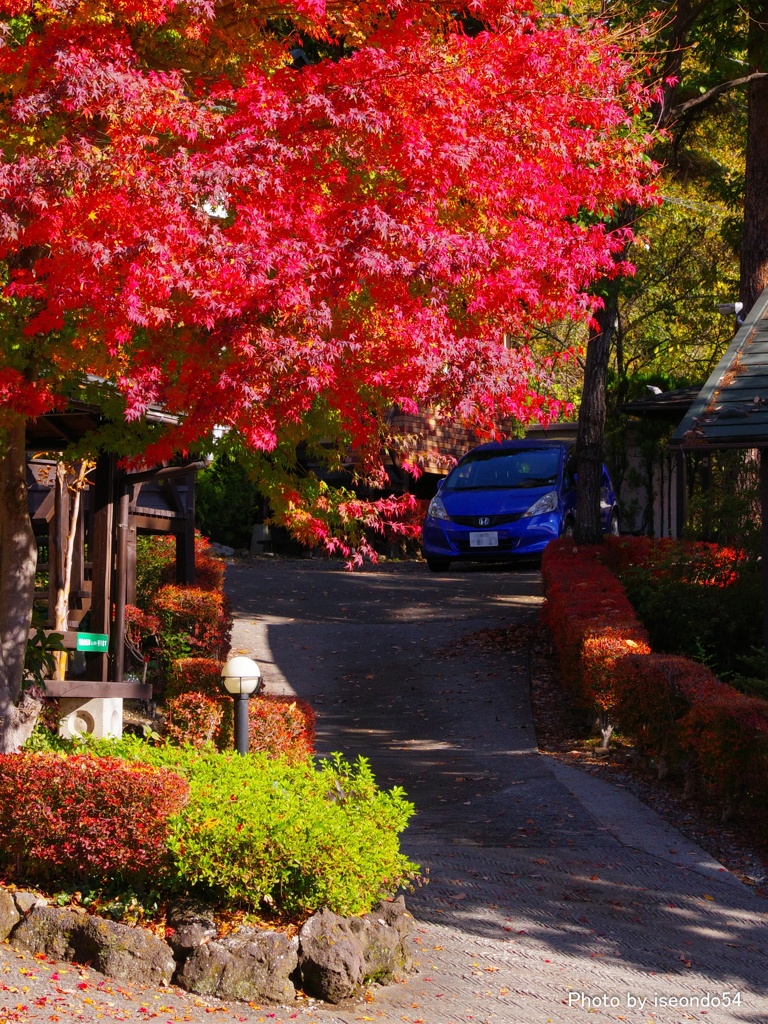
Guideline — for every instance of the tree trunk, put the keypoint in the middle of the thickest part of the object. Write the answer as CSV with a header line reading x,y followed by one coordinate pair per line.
x,y
18,561
754,246
589,440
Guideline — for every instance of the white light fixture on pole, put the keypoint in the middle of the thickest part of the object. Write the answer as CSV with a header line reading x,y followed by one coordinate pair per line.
x,y
241,677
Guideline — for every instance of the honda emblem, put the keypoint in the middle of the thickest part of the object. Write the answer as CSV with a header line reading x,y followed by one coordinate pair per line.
x,y
484,521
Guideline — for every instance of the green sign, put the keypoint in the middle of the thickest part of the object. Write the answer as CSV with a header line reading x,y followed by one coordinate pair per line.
x,y
92,642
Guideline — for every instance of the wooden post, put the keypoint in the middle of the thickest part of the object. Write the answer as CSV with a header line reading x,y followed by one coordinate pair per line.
x,y
78,557
764,515
57,543
130,570
121,582
102,559
185,541
681,510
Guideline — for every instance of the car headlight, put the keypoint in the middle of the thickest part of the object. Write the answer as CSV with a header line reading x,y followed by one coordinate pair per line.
x,y
546,503
436,509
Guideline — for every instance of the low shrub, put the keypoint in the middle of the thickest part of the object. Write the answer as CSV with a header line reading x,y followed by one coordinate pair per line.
x,y
141,635
86,817
209,570
280,726
728,733
156,566
280,837
193,622
649,694
194,675
194,718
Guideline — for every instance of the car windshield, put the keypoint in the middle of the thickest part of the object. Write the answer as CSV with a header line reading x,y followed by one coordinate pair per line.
x,y
504,469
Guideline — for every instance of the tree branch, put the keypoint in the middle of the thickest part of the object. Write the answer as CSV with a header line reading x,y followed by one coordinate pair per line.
x,y
681,109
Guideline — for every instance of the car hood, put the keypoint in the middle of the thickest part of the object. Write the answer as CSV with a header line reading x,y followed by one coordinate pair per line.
x,y
491,503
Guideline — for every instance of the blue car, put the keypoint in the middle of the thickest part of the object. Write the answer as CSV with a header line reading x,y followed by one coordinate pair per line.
x,y
508,500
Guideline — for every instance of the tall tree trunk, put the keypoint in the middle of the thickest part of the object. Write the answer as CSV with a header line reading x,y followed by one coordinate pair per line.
x,y
754,246
18,561
589,440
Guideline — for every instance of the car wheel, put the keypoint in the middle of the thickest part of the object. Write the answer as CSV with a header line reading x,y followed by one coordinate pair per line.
x,y
613,526
569,527
439,564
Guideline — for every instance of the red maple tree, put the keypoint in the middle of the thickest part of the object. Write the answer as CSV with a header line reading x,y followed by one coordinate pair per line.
x,y
290,250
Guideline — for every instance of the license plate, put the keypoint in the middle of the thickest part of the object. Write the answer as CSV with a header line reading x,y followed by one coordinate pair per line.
x,y
484,540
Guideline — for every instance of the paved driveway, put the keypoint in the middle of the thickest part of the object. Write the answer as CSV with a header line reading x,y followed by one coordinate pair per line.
x,y
552,896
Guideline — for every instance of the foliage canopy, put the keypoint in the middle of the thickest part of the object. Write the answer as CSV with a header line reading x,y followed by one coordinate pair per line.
x,y
288,250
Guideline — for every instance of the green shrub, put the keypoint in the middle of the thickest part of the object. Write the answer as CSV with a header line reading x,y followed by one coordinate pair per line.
x,y
697,600
227,501
288,838
155,567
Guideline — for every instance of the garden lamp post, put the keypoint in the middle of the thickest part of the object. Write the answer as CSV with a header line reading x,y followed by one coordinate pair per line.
x,y
241,677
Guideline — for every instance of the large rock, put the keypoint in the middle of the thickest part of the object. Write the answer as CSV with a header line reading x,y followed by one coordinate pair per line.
x,y
129,955
9,915
331,958
383,935
26,900
189,925
251,965
49,930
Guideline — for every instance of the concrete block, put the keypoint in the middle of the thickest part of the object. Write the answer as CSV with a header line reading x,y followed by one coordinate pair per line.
x,y
98,717
260,539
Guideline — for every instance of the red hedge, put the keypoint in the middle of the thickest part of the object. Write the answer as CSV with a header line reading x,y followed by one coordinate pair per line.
x,y
140,627
593,625
194,718
669,704
86,817
209,570
194,675
202,615
278,725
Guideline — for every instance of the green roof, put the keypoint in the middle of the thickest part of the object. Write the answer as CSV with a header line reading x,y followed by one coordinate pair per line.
x,y
731,410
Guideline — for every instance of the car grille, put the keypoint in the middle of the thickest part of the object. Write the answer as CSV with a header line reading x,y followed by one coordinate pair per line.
x,y
510,517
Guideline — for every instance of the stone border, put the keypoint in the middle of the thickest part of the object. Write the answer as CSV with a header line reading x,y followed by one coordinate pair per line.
x,y
332,957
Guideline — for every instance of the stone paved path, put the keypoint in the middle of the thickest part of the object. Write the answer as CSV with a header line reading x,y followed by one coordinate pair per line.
x,y
551,895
